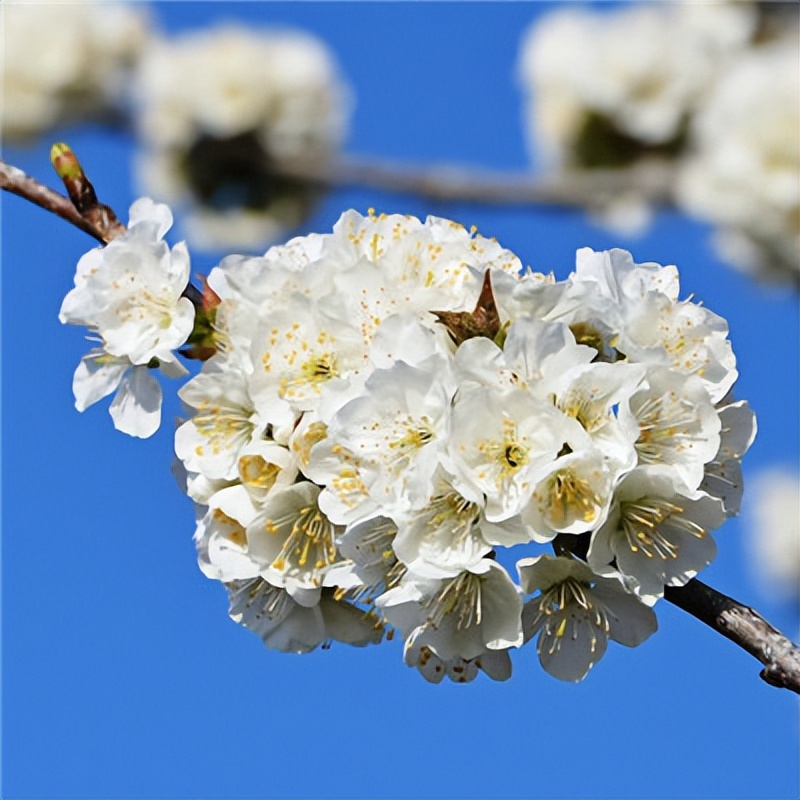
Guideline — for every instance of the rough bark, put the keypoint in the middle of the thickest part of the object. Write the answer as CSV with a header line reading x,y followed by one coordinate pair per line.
x,y
745,627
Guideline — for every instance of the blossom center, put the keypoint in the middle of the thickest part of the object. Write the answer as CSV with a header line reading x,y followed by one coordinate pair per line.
x,y
257,472
416,434
559,603
664,426
222,427
310,541
584,408
459,597
146,304
315,370
567,496
645,523
509,453
455,512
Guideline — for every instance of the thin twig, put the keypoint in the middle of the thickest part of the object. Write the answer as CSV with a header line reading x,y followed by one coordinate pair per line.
x,y
82,194
14,180
745,627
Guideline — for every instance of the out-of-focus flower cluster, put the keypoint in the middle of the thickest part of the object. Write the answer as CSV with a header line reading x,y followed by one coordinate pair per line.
x,y
216,111
743,172
392,405
218,108
610,87
62,60
711,90
774,532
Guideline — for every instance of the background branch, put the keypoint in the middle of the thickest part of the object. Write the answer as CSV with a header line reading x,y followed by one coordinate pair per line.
x,y
745,627
652,181
649,181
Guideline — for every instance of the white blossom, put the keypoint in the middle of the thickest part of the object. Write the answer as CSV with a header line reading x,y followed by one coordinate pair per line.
x,y
626,309
369,545
500,443
221,536
391,402
676,424
299,349
223,424
534,355
294,541
129,294
477,610
572,496
444,536
575,614
136,407
723,474
391,437
416,653
655,535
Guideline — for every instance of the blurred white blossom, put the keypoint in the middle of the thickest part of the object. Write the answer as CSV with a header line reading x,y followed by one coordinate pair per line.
x,y
389,403
742,173
61,60
616,88
773,532
607,87
129,294
217,107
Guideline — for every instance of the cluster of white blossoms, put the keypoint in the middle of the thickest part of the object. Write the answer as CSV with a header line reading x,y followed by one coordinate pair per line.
x,y
742,172
129,295
218,107
392,405
605,88
61,59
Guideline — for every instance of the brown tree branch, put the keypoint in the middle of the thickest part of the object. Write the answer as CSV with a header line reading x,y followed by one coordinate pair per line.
x,y
14,180
745,627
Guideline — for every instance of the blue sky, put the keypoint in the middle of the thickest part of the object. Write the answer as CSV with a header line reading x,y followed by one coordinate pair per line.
x,y
123,676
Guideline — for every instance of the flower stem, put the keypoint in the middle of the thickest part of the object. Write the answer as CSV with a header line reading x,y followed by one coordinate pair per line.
x,y
745,627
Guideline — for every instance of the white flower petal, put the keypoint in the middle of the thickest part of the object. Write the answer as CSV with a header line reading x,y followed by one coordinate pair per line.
x,y
569,653
96,377
136,409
